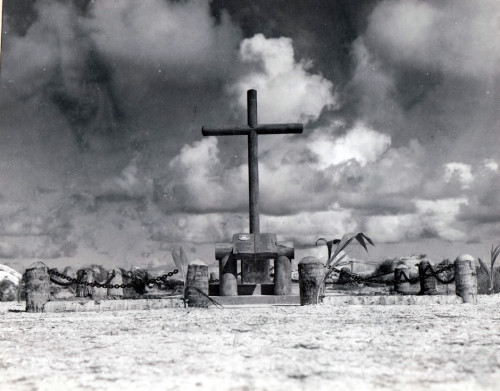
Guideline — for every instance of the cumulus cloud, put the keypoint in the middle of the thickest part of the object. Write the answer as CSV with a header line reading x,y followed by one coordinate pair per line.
x,y
441,216
131,183
361,144
200,228
43,231
8,250
384,186
483,206
172,38
287,92
418,74
433,219
403,148
200,178
306,227
424,72
358,170
448,36
198,181
461,171
491,164
301,228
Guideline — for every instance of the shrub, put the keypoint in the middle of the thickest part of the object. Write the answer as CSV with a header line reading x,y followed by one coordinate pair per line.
x,y
8,290
387,266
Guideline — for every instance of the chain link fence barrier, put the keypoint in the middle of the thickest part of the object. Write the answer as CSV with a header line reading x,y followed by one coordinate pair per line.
x,y
428,272
350,277
107,284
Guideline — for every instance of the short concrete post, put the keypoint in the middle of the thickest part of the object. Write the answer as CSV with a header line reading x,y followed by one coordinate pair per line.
x,y
466,278
282,276
401,274
117,280
37,281
197,284
68,271
311,272
428,285
97,291
228,271
213,277
86,275
128,279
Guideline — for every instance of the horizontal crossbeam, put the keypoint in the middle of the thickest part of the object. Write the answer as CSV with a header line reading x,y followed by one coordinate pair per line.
x,y
294,128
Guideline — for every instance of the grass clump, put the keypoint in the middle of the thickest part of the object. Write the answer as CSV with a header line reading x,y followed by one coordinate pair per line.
x,y
336,254
490,270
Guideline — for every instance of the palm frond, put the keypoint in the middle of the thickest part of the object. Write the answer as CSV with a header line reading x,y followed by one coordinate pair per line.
x,y
328,272
361,237
329,245
368,239
494,255
178,264
484,266
330,269
319,240
340,246
345,241
184,258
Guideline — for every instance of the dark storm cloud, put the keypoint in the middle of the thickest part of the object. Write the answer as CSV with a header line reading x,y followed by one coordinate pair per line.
x,y
102,104
37,233
71,75
96,108
321,30
110,79
19,16
93,109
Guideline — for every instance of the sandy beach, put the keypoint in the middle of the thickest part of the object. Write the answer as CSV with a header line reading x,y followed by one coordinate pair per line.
x,y
393,347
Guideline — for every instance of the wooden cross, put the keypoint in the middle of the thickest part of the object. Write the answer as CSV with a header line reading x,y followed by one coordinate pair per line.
x,y
252,131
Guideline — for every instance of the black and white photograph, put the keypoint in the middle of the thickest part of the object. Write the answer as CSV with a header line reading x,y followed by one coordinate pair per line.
x,y
249,195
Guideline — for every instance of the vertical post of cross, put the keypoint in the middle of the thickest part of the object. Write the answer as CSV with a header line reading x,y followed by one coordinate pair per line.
x,y
253,158
252,130
256,270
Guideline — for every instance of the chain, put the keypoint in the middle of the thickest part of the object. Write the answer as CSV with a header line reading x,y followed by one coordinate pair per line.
x,y
435,274
107,284
351,277
404,278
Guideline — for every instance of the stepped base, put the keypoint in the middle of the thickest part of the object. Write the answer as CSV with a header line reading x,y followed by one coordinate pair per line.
x,y
89,305
245,289
257,300
339,300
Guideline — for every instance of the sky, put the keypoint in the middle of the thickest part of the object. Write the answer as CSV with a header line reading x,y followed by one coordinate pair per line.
x,y
102,159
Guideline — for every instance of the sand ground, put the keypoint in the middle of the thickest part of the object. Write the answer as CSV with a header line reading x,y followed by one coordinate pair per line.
x,y
440,347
